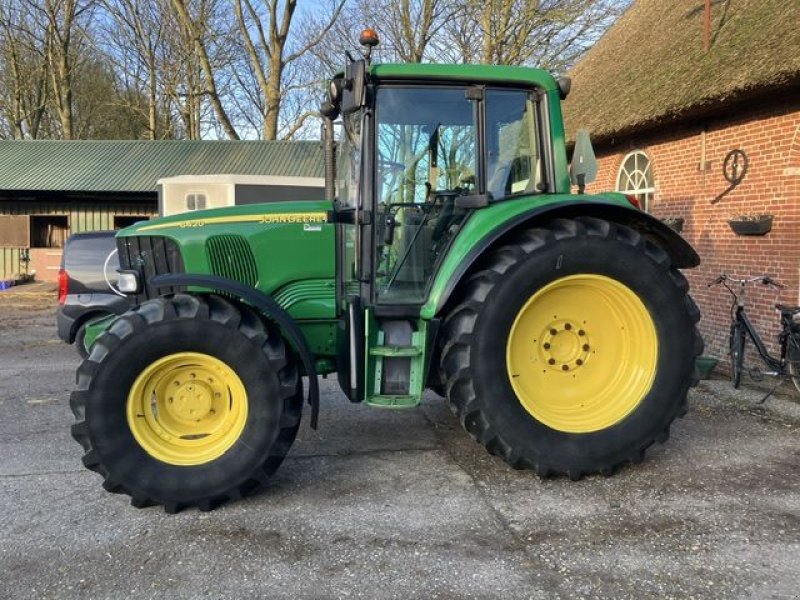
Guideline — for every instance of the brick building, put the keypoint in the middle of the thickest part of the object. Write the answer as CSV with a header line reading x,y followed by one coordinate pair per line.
x,y
667,99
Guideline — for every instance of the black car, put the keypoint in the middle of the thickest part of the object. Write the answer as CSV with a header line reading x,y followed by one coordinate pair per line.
x,y
87,284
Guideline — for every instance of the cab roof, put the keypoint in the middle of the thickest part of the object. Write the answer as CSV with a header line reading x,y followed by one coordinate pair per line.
x,y
470,73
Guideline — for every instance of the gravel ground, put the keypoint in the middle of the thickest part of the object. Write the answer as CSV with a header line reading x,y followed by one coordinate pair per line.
x,y
380,504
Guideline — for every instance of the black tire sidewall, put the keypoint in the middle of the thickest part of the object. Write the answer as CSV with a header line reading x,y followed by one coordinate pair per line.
x,y
627,264
128,463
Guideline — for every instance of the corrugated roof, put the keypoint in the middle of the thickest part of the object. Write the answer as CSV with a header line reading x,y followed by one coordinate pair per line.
x,y
651,68
135,166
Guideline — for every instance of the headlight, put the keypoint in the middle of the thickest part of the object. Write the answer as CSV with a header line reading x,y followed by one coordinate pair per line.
x,y
128,282
335,90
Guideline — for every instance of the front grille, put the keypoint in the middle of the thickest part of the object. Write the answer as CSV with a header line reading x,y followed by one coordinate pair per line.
x,y
150,256
230,256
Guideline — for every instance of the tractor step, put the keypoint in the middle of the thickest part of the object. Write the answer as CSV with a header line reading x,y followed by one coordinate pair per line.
x,y
395,369
393,401
395,351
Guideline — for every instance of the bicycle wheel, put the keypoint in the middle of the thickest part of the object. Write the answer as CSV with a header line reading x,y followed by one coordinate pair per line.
x,y
737,353
793,360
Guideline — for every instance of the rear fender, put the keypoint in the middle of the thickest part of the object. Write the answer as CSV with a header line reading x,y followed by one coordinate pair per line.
x,y
455,267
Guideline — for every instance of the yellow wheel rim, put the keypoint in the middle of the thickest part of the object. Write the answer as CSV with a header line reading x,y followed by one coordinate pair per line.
x,y
187,408
581,354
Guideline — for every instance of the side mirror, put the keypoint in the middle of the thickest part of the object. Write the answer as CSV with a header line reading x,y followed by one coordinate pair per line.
x,y
355,76
564,87
583,169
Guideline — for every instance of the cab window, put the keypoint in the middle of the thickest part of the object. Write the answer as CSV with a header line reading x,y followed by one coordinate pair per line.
x,y
513,159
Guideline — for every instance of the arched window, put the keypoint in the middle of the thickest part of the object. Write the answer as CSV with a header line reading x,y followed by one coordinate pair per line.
x,y
636,178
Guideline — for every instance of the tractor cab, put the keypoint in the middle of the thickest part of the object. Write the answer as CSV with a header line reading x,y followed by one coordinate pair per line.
x,y
419,149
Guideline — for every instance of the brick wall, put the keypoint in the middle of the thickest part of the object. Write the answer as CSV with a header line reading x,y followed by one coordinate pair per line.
x,y
770,135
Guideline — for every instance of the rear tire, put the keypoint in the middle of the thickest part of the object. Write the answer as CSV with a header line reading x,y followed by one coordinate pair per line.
x,y
235,411
736,353
491,348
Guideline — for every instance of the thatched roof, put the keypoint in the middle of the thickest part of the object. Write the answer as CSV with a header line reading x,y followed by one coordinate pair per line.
x,y
651,68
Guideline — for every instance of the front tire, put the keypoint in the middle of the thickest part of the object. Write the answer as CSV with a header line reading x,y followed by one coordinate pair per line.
x,y
572,349
187,401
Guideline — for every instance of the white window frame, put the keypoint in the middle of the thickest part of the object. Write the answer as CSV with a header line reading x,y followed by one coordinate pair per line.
x,y
196,194
630,182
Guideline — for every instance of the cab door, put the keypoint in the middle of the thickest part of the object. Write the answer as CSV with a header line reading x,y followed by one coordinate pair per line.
x,y
353,251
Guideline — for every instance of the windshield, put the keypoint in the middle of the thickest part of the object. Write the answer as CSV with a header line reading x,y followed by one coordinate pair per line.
x,y
426,143
426,154
348,161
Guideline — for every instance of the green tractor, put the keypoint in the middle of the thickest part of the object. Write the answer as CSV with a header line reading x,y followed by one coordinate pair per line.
x,y
449,255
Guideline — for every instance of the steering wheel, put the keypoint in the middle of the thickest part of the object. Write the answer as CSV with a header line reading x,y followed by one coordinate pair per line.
x,y
445,195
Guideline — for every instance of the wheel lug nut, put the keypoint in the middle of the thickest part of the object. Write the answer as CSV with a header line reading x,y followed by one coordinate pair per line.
x,y
581,332
585,347
552,361
579,362
553,332
567,326
564,367
546,346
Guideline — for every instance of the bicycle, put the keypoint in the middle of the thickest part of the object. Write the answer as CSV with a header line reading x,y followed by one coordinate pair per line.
x,y
787,365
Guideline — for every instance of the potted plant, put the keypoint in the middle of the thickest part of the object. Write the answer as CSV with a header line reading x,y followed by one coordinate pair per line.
x,y
751,224
705,366
675,223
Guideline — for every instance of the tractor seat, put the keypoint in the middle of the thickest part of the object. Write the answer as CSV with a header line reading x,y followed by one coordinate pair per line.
x,y
788,310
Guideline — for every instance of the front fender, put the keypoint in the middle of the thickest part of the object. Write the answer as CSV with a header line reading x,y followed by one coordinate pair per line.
x,y
489,227
96,328
256,298
269,308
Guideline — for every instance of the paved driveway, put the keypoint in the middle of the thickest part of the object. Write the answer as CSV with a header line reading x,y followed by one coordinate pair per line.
x,y
400,505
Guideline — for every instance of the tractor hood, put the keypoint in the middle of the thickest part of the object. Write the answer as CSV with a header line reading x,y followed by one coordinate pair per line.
x,y
267,213
284,249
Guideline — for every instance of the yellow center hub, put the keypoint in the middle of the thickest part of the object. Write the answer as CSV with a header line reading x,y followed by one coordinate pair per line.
x,y
581,354
187,408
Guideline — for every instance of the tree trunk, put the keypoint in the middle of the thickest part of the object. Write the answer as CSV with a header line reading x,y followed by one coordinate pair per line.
x,y
152,101
273,98
205,64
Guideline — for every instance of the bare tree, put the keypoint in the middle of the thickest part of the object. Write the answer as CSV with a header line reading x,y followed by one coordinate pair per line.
x,y
136,32
65,26
195,20
266,27
546,33
407,27
193,68
105,107
24,74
